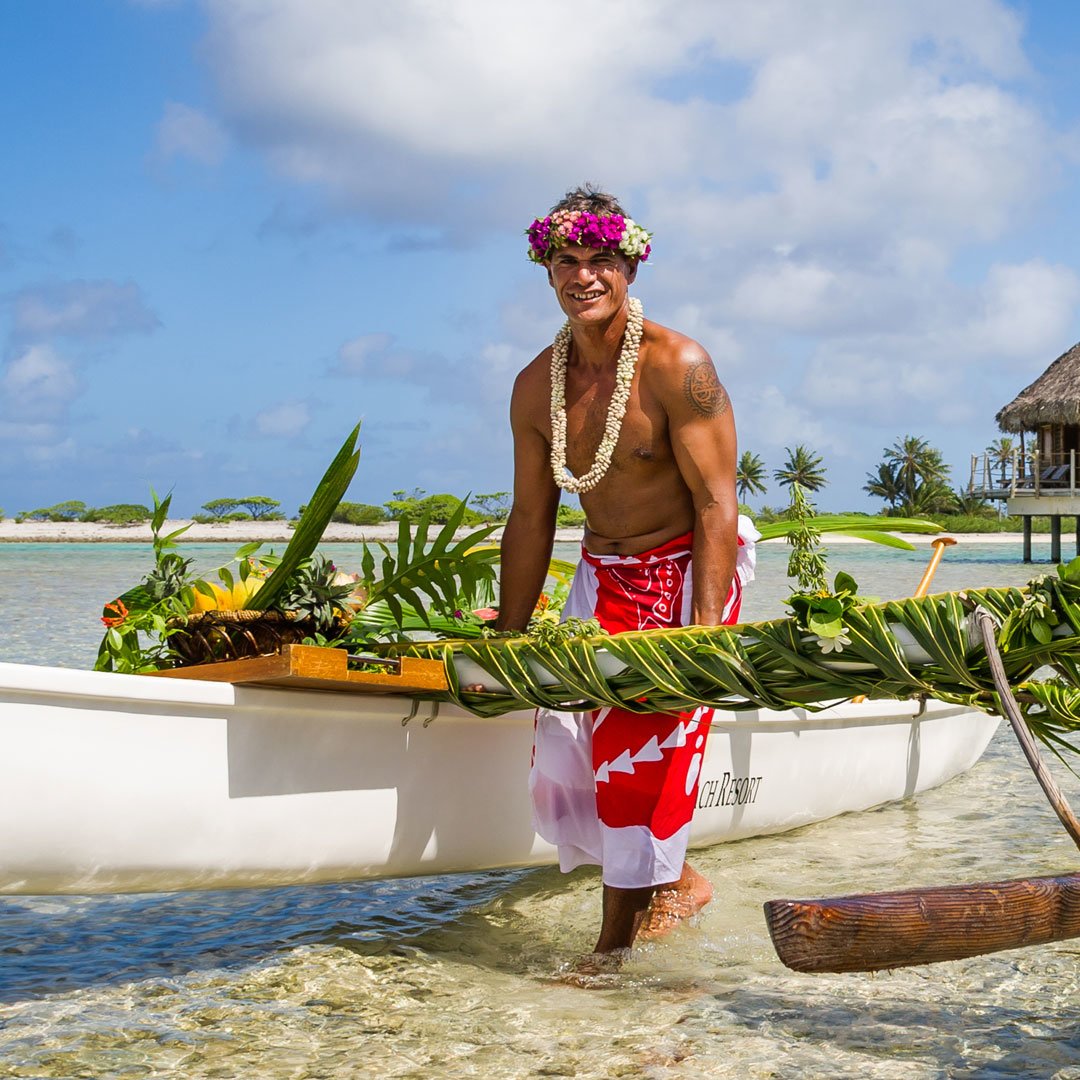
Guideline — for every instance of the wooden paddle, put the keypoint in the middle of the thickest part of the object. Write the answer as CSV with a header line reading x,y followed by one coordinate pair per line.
x,y
939,544
876,931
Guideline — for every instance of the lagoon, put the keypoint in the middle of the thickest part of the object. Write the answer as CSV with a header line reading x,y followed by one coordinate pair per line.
x,y
455,976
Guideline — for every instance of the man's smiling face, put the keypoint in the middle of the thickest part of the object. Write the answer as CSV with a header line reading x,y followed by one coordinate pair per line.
x,y
590,283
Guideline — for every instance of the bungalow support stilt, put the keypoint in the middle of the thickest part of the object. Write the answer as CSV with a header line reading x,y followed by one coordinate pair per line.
x,y
1027,537
1055,538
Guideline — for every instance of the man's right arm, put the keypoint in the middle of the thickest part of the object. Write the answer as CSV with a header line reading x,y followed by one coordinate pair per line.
x,y
530,530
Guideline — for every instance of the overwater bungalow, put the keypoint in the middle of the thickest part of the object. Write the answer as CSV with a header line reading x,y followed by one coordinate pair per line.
x,y
1039,478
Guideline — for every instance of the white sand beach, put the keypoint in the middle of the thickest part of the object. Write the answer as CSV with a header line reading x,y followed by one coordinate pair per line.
x,y
231,532
242,532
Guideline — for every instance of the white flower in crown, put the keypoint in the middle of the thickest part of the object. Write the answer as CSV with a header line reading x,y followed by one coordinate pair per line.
x,y
635,241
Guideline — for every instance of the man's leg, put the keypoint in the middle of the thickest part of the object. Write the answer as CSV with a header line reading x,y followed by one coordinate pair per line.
x,y
623,912
651,912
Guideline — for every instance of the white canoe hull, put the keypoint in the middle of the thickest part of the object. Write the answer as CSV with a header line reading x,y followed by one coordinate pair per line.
x,y
117,783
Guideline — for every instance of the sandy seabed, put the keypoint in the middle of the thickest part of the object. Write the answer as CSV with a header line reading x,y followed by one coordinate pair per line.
x,y
242,532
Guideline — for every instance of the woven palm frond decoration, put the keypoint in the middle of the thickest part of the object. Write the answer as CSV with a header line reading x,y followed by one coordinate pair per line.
x,y
895,649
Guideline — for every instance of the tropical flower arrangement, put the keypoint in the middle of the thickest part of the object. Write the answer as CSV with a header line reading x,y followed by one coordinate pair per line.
x,y
610,232
258,601
427,588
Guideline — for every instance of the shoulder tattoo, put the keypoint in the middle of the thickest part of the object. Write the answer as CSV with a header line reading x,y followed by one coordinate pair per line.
x,y
703,390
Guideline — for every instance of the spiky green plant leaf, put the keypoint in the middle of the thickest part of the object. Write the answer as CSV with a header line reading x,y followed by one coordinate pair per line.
x,y
320,508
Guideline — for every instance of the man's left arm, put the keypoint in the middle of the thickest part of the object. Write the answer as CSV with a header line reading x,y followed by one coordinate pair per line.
x,y
703,439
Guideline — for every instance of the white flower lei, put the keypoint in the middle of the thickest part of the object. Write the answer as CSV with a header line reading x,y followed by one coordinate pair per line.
x,y
624,375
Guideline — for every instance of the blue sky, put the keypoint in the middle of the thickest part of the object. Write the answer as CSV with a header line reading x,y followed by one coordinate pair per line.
x,y
230,229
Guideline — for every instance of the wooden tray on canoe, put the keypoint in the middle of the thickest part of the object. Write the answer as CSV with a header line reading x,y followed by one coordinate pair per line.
x,y
312,667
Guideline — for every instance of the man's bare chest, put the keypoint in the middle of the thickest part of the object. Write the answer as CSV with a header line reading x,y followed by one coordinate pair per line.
x,y
643,439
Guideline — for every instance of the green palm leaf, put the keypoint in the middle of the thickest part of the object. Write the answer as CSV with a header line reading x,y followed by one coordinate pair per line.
x,y
779,665
877,530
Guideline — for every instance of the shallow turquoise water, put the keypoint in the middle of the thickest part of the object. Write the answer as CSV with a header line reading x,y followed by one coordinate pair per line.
x,y
454,976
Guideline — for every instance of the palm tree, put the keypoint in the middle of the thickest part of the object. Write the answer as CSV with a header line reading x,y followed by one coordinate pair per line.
x,y
1000,452
964,502
803,468
929,497
749,475
915,459
885,484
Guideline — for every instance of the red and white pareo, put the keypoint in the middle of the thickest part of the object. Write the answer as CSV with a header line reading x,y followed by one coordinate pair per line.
x,y
613,788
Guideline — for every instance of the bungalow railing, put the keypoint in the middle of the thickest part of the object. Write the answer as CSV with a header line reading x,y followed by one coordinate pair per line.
x,y
995,477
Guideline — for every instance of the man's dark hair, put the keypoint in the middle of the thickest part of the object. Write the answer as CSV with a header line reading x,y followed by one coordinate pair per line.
x,y
589,198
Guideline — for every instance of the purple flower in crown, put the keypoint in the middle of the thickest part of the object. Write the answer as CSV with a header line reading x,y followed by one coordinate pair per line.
x,y
539,233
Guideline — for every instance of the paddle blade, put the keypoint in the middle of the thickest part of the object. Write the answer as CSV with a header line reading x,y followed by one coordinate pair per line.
x,y
878,931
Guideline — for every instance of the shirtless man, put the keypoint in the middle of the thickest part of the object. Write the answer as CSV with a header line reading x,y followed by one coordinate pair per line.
x,y
658,492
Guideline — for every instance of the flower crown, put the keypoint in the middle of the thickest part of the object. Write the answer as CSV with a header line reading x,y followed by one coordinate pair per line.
x,y
611,231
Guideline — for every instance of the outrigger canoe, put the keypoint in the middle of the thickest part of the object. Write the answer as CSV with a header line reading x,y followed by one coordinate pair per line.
x,y
123,783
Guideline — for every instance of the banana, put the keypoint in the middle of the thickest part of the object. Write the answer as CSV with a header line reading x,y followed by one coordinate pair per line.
x,y
222,600
243,591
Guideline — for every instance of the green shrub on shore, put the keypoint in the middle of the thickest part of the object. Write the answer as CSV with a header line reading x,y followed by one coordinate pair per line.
x,y
569,517
968,523
119,514
494,506
258,508
219,519
349,513
975,523
359,514
71,510
437,508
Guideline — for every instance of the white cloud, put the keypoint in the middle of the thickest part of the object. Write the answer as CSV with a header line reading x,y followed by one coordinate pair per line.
x,y
492,380
824,180
49,453
186,132
1026,312
37,384
787,294
85,309
389,106
23,433
770,420
367,354
288,420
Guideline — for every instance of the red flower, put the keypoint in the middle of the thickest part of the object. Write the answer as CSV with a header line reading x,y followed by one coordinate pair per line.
x,y
121,614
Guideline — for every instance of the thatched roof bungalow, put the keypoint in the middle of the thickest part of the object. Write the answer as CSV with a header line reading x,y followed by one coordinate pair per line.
x,y
1052,401
1043,477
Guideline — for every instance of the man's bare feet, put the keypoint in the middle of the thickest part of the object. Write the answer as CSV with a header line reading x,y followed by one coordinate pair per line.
x,y
672,904
595,970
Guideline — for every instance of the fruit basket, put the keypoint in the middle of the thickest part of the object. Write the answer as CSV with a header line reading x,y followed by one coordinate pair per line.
x,y
206,637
